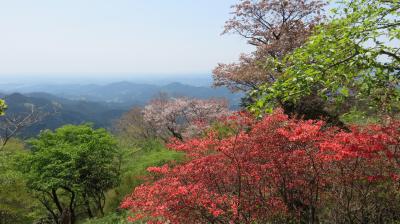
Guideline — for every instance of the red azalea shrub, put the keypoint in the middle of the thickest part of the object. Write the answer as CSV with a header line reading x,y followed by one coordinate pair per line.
x,y
363,174
276,170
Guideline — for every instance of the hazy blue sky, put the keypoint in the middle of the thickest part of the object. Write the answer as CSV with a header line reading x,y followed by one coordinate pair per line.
x,y
115,36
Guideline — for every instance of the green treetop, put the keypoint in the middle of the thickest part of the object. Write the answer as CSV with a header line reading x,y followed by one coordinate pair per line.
x,y
354,58
71,168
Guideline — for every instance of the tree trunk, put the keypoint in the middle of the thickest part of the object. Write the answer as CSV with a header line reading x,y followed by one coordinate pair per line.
x,y
87,204
66,217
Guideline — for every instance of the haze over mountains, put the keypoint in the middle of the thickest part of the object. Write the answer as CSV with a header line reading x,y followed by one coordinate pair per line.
x,y
124,93
196,79
95,103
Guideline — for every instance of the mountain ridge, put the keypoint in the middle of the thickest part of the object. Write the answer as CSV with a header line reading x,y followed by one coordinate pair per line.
x,y
125,92
97,104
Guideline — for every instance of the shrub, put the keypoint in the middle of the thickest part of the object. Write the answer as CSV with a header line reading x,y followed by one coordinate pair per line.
x,y
277,170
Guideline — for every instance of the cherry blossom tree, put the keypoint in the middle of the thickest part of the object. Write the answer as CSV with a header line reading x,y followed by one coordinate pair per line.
x,y
183,117
275,28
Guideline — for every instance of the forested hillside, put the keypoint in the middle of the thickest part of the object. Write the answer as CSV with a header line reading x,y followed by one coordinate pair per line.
x,y
100,105
56,111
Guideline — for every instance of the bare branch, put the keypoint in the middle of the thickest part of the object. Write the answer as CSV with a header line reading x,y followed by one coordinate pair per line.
x,y
12,123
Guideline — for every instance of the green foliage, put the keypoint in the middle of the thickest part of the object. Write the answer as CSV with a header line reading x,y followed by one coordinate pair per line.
x,y
222,129
112,218
72,166
16,203
134,163
359,117
3,107
353,58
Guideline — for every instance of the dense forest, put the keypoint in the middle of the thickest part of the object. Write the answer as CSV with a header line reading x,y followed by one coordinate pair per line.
x,y
316,138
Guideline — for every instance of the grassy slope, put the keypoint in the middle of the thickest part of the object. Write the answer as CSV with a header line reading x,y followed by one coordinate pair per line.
x,y
135,161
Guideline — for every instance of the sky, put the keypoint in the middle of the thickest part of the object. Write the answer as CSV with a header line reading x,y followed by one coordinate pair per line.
x,y
91,38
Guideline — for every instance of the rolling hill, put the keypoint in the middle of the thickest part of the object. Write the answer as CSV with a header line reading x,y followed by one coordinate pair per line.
x,y
97,104
125,94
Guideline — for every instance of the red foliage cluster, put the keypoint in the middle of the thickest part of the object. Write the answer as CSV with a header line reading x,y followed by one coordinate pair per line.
x,y
276,169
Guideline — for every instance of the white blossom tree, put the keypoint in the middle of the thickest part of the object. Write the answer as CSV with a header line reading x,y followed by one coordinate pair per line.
x,y
183,117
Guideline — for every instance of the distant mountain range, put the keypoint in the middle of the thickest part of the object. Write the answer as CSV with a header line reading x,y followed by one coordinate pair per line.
x,y
98,104
59,111
125,94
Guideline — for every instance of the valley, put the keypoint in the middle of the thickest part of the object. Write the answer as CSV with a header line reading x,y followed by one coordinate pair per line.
x,y
97,104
